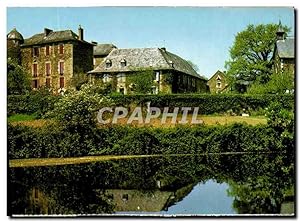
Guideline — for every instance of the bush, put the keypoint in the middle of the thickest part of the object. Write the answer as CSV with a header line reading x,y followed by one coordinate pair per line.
x,y
207,103
37,103
56,141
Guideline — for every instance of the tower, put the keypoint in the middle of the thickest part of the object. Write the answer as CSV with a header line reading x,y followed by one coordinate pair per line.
x,y
280,32
14,40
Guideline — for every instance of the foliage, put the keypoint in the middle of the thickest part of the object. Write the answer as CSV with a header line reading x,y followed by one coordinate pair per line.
x,y
59,141
77,109
18,81
141,81
36,102
78,80
207,103
279,83
251,54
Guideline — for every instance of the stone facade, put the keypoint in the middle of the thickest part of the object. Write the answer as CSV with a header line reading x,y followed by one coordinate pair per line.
x,y
218,83
171,73
284,52
53,58
53,79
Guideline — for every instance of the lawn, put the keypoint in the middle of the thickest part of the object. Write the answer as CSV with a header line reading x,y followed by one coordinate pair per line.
x,y
208,120
21,117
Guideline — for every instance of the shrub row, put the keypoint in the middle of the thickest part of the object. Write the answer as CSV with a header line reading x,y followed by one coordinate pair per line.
x,y
31,103
207,103
54,141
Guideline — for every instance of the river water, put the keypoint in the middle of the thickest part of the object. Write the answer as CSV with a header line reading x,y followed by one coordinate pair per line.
x,y
261,184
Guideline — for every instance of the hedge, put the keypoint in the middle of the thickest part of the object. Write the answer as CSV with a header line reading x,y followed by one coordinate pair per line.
x,y
207,103
55,141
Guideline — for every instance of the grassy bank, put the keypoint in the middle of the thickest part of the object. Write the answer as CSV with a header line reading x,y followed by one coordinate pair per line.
x,y
209,120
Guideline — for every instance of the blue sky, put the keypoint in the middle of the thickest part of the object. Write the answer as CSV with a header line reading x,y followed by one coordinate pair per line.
x,y
202,35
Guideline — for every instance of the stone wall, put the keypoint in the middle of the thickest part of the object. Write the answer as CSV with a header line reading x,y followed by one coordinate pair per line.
x,y
215,85
53,58
82,57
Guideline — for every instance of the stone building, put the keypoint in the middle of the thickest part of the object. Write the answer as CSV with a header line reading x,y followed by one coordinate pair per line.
x,y
53,58
171,73
101,51
218,83
284,52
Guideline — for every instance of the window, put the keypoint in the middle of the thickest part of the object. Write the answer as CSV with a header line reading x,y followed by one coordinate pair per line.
x,y
157,76
36,51
61,49
219,85
61,68
47,50
121,78
155,90
106,78
35,84
123,63
48,69
61,82
108,63
121,90
34,70
48,83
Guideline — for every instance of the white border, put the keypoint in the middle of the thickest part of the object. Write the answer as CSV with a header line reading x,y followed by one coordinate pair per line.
x,y
58,3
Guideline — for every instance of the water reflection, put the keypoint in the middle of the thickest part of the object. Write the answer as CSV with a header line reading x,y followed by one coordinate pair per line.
x,y
216,184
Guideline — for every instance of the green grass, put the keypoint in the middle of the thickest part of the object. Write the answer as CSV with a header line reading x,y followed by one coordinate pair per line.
x,y
21,117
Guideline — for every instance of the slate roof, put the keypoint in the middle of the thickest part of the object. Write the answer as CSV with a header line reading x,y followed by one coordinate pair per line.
x,y
103,49
144,58
285,48
15,35
53,36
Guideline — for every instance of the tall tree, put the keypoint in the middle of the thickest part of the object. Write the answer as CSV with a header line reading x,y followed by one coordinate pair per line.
x,y
18,80
251,53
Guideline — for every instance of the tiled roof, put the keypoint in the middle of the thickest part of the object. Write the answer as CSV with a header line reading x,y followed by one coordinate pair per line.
x,y
285,48
53,36
144,58
103,49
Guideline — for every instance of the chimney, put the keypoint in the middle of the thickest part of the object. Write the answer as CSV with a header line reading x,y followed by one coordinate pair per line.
x,y
47,31
80,33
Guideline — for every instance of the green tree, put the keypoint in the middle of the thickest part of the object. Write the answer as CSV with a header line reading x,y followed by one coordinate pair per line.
x,y
18,81
79,79
251,54
279,83
141,81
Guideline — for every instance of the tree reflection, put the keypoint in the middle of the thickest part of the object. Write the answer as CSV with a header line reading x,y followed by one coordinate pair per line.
x,y
258,183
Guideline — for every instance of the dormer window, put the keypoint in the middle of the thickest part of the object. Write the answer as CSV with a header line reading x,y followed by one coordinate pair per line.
x,y
108,63
123,63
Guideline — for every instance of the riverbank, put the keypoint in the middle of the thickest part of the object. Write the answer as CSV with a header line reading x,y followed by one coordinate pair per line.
x,y
33,162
